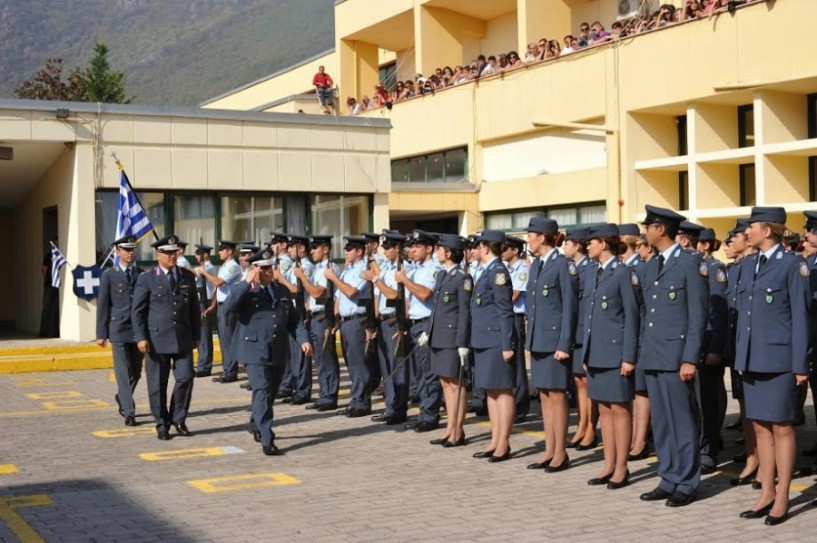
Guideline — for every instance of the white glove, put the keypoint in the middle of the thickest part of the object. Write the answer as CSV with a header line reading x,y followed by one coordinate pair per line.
x,y
463,351
422,340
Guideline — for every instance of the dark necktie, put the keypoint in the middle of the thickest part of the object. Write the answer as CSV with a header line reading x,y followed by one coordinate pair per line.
x,y
268,292
171,278
660,263
539,265
128,276
598,274
763,260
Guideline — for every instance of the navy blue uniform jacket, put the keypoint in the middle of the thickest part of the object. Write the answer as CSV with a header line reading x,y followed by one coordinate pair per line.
x,y
492,309
113,306
552,303
450,323
170,321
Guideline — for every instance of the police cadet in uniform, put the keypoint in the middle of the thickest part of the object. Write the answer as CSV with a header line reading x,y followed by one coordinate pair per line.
x,y
322,326
575,248
372,356
772,352
448,332
266,318
204,290
182,261
395,384
630,235
167,325
810,246
113,324
676,302
283,264
245,250
492,338
351,287
610,349
519,270
552,300
229,274
477,403
419,283
639,448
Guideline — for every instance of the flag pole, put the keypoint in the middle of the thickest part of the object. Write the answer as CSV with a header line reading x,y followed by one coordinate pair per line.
x,y
122,169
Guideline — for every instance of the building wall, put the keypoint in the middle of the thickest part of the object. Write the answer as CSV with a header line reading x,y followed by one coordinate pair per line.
x,y
8,298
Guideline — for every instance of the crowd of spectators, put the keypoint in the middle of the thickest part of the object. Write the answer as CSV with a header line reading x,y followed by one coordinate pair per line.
x,y
589,35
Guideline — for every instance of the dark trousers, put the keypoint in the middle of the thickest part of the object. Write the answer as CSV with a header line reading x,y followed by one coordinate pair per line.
x,y
521,393
395,385
50,317
158,371
676,430
127,368
264,380
300,366
352,342
327,362
205,362
226,328
429,389
477,392
711,393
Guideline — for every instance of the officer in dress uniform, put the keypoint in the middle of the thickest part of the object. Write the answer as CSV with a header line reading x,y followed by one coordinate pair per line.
x,y
167,325
676,303
322,325
113,324
204,290
419,283
229,274
772,352
519,270
279,245
266,318
351,287
395,384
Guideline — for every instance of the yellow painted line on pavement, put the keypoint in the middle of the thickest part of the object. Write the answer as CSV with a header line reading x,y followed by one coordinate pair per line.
x,y
8,469
31,382
242,482
17,524
111,377
61,395
30,500
125,432
75,405
189,453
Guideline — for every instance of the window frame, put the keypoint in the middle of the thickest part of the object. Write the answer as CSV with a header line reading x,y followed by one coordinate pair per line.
x,y
426,156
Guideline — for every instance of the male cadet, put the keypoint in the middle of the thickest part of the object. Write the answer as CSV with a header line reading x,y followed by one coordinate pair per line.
x,y
351,286
266,317
395,386
372,358
322,325
229,274
113,323
420,285
182,261
283,263
245,250
676,303
167,324
512,252
204,290
809,245
300,366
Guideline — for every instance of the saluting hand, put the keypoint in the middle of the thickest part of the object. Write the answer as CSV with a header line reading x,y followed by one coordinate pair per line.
x,y
687,372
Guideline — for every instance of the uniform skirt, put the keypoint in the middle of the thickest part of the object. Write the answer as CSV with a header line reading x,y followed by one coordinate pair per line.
x,y
445,362
770,397
549,373
608,385
577,357
491,372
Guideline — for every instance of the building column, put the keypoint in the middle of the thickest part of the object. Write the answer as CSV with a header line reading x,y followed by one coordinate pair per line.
x,y
538,19
359,69
444,38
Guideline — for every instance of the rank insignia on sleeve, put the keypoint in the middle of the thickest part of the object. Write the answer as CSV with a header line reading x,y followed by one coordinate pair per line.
x,y
804,271
703,270
634,279
721,276
571,268
499,279
523,276
467,285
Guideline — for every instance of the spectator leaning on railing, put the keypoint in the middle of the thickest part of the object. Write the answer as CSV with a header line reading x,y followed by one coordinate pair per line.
x,y
323,86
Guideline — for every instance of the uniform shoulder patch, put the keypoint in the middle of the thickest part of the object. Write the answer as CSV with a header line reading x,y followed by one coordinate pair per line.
x,y
571,268
437,273
523,276
285,266
500,279
720,275
634,278
467,285
703,269
362,275
804,271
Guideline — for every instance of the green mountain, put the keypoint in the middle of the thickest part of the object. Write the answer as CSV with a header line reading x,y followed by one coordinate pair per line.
x,y
174,52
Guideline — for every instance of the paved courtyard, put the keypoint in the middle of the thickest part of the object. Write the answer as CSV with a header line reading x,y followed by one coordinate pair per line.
x,y
71,471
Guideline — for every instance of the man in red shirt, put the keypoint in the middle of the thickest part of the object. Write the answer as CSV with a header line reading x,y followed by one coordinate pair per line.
x,y
323,85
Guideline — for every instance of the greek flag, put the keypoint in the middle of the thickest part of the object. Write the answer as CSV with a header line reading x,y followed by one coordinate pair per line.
x,y
57,262
131,219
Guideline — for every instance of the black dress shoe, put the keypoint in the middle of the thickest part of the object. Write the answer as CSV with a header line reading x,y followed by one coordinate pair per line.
x,y
119,405
300,401
395,420
561,467
762,512
740,481
182,430
226,379
356,412
615,485
458,443
645,453
592,445
246,386
130,421
284,393
313,406
203,373
680,499
256,435
163,435
271,450
502,458
327,407
483,454
380,417
540,465
655,495
439,441
706,470
426,426
774,521
596,481
288,399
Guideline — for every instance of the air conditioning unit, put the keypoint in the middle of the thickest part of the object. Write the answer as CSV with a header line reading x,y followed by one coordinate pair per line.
x,y
628,8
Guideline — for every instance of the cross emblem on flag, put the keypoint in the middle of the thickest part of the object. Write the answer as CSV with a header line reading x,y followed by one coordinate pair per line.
x,y
86,281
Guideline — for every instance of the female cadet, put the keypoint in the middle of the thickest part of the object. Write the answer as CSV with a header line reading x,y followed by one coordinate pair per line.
x,y
448,332
492,339
773,301
552,307
585,437
639,448
610,349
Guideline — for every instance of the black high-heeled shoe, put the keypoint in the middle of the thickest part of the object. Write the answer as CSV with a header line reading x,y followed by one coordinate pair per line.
x,y
615,485
592,445
758,513
774,521
596,481
540,465
439,441
458,443
740,481
483,454
502,458
645,453
561,467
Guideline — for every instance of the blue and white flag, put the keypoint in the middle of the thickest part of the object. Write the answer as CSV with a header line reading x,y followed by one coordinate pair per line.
x,y
131,218
57,262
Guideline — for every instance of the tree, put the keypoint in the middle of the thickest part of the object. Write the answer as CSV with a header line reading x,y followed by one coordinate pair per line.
x,y
47,84
99,82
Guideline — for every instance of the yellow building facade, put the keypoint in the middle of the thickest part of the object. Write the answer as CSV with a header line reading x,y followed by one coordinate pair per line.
x,y
708,116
